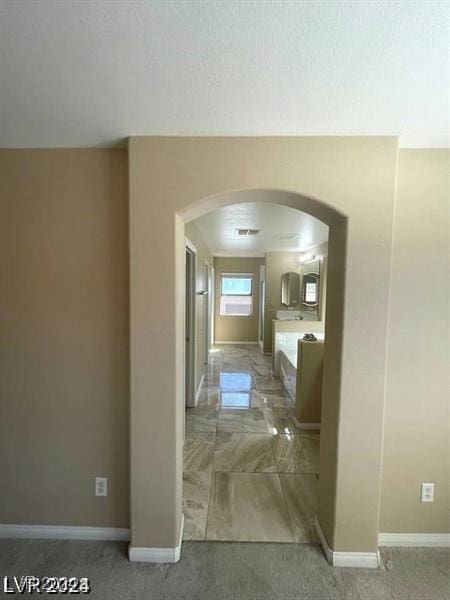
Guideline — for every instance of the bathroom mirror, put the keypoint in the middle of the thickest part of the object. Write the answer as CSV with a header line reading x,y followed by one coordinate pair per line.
x,y
310,290
290,289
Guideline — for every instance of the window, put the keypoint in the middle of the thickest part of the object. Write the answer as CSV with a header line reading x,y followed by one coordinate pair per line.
x,y
236,295
311,292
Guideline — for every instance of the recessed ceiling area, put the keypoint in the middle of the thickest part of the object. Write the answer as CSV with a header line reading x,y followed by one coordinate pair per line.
x,y
91,73
280,228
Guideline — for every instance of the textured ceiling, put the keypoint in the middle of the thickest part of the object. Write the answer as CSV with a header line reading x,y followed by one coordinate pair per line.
x,y
79,73
219,229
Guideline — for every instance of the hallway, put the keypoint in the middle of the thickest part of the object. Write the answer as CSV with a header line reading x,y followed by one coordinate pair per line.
x,y
249,473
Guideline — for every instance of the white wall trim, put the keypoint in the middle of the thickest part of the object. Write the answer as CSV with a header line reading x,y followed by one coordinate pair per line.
x,y
366,560
157,555
314,426
199,387
64,532
431,540
243,342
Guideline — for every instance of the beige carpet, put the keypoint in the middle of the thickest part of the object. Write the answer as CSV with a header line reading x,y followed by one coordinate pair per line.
x,y
231,571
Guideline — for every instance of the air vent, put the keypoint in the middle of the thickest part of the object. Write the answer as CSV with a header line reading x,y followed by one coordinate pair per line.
x,y
286,236
246,232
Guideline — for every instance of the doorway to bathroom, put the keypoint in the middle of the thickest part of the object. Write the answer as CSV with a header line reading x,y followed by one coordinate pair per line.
x,y
176,180
251,453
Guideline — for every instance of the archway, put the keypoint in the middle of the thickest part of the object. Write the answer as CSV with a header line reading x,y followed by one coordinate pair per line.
x,y
176,179
337,224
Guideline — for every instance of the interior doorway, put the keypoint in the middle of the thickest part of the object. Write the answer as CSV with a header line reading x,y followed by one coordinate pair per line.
x,y
251,461
302,174
206,310
190,341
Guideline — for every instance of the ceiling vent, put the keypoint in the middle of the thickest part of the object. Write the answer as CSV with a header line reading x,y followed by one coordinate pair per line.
x,y
246,232
287,236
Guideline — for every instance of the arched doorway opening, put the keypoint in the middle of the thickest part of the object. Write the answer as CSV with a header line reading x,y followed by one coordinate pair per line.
x,y
174,179
337,224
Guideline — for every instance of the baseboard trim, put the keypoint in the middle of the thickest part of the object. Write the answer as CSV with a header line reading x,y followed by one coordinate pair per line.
x,y
314,426
157,555
199,388
358,560
418,540
154,555
64,532
240,343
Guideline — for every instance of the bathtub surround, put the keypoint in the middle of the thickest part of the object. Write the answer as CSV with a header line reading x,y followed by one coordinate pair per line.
x,y
308,389
285,335
299,365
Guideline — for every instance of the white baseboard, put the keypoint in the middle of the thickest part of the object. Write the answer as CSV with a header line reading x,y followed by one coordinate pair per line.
x,y
63,532
418,540
154,555
240,343
157,555
365,560
314,426
199,388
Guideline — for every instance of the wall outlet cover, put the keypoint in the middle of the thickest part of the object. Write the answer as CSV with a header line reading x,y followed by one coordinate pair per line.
x,y
101,486
427,492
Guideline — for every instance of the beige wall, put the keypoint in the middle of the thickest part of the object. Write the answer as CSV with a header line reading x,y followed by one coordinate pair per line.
x,y
203,255
237,329
64,375
416,433
278,263
64,328
207,168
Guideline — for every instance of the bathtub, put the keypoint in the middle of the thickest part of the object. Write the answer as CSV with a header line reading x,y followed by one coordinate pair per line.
x,y
286,359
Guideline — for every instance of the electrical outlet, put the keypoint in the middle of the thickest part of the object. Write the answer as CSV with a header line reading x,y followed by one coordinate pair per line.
x,y
427,492
101,486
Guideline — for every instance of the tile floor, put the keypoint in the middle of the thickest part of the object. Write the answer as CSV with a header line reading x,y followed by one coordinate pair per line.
x,y
249,473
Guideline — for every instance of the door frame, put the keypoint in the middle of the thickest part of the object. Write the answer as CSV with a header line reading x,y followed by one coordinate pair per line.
x,y
206,310
262,302
190,355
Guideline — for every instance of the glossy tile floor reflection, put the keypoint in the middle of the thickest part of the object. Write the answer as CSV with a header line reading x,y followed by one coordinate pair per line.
x,y
249,473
